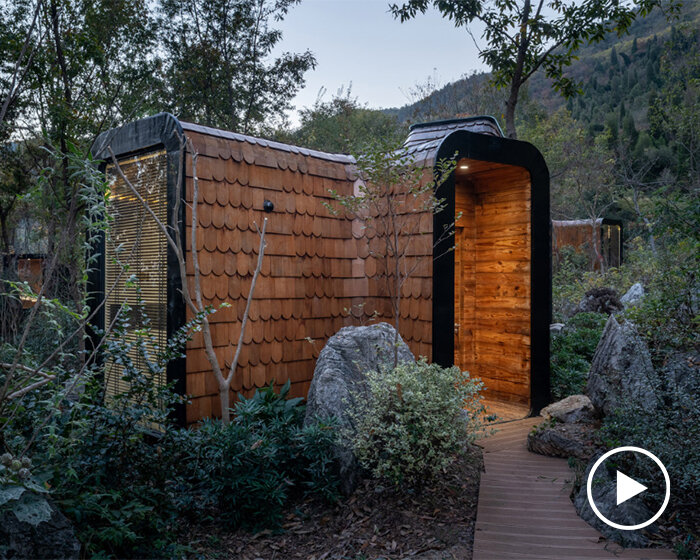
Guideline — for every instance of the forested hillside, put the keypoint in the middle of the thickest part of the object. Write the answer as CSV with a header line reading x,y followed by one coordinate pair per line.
x,y
619,75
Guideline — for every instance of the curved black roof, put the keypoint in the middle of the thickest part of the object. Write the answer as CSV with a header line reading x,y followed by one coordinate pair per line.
x,y
425,139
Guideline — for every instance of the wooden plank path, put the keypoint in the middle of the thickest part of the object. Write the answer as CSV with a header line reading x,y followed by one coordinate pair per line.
x,y
525,511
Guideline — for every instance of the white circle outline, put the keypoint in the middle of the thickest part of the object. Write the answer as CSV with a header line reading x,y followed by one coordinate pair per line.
x,y
610,454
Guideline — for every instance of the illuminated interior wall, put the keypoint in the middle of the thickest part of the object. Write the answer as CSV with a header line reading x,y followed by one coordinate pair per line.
x,y
136,246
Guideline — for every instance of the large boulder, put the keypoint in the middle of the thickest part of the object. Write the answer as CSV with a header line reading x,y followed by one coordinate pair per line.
x,y
340,378
564,440
600,300
573,409
621,371
34,528
605,494
633,295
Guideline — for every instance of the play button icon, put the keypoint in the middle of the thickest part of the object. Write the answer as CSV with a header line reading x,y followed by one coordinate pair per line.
x,y
626,508
627,488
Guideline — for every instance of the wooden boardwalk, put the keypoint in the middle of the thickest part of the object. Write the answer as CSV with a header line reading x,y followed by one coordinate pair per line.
x,y
525,511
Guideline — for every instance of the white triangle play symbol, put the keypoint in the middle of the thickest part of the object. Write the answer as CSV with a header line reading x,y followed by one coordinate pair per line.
x,y
627,488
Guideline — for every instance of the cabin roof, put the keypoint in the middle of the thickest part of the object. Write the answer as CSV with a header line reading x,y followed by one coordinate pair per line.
x,y
585,222
165,129
425,139
279,146
422,144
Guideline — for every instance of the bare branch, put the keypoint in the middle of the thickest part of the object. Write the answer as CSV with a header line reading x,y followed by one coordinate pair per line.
x,y
258,267
16,76
31,387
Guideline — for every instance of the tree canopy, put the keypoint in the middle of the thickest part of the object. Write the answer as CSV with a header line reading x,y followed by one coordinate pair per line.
x,y
522,36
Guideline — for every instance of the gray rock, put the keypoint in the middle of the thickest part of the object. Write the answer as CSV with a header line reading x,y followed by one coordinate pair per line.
x,y
633,295
53,537
573,409
621,371
563,440
340,377
631,512
556,328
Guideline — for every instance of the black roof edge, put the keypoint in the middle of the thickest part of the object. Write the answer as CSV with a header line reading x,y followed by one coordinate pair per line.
x,y
162,129
612,222
456,121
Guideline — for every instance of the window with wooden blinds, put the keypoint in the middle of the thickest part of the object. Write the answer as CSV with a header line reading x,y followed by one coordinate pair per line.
x,y
137,246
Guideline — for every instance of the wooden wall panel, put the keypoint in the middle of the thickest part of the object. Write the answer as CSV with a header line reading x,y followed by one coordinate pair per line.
x,y
492,279
308,281
585,237
465,277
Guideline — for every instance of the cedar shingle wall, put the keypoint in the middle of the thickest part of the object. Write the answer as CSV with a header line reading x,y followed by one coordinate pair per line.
x,y
313,272
415,313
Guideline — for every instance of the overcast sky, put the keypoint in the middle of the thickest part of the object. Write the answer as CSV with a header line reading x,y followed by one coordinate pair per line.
x,y
359,42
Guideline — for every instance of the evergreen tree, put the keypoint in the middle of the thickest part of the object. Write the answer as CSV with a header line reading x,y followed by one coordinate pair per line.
x,y
613,58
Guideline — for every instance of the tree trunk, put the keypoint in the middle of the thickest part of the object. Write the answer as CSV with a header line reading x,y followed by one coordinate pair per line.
x,y
510,111
224,396
516,80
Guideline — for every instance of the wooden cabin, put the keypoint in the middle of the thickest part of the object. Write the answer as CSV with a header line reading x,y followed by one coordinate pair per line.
x,y
318,274
599,240
30,269
491,296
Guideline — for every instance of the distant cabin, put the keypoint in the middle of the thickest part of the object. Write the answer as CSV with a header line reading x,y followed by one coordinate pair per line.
x,y
599,240
484,306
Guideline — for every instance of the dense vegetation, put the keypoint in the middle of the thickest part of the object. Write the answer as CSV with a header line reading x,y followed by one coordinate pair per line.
x,y
628,146
133,481
415,421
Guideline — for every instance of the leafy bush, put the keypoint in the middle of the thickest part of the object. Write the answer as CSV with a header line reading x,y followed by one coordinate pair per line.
x,y
571,353
123,472
100,454
246,471
567,270
417,419
667,317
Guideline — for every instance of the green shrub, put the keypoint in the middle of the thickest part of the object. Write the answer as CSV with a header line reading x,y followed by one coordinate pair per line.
x,y
101,457
123,472
247,471
417,419
571,353
667,317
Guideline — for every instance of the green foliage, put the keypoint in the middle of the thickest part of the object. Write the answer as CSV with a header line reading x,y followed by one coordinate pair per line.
x,y
668,316
220,64
247,471
20,491
416,419
571,353
513,60
122,472
100,456
342,125
581,166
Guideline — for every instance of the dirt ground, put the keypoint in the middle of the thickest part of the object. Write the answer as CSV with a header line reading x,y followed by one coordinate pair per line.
x,y
375,522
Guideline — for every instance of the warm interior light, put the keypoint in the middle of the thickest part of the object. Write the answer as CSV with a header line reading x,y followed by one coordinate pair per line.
x,y
464,167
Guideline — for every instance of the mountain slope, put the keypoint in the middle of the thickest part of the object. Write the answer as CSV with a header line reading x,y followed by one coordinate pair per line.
x,y
617,75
